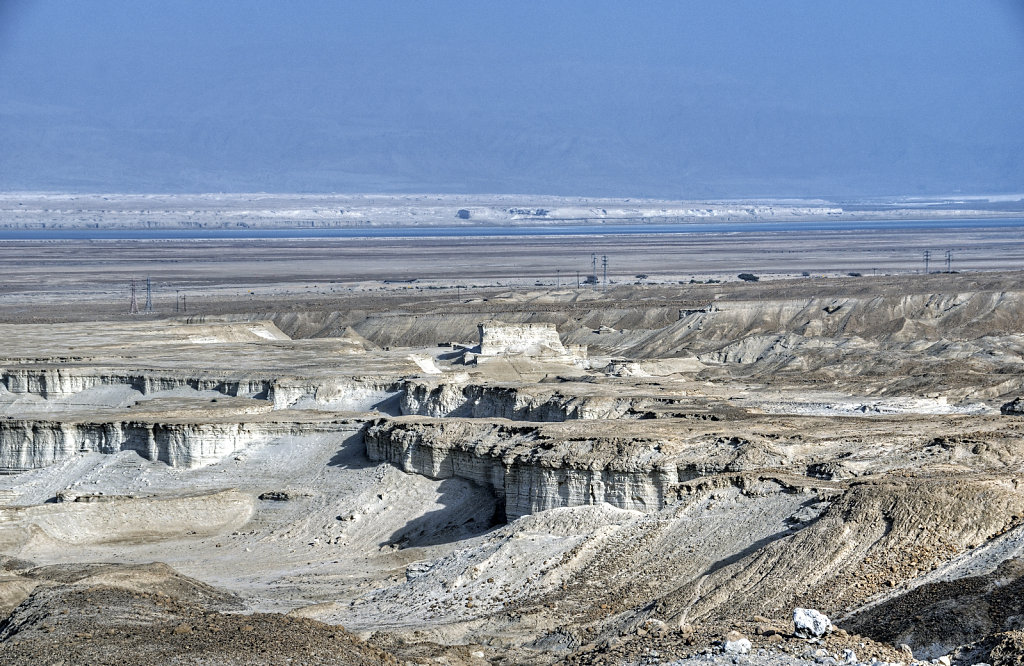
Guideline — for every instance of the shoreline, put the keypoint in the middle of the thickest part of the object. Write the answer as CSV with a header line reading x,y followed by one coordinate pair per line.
x,y
554,230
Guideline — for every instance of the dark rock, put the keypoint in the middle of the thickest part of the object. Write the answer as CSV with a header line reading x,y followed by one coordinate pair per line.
x,y
1013,408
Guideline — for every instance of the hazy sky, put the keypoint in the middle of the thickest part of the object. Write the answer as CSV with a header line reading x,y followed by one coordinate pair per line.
x,y
670,99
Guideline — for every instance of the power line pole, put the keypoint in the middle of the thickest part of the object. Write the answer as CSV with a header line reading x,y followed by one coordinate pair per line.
x,y
177,300
593,267
577,280
604,265
949,260
558,278
149,294
927,257
133,308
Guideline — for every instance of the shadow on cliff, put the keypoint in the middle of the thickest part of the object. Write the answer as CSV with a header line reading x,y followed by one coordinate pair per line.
x,y
468,510
352,454
391,405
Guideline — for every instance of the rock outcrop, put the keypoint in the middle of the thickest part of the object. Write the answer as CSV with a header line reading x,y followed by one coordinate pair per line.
x,y
535,340
57,382
1013,408
356,394
498,338
26,445
809,623
528,473
284,392
517,403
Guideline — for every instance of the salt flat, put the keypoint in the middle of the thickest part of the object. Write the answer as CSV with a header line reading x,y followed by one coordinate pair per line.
x,y
60,211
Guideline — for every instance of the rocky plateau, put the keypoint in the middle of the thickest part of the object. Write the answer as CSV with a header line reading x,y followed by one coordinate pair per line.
x,y
663,474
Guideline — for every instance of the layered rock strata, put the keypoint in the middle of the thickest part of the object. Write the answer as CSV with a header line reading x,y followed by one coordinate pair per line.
x,y
518,403
528,473
327,392
51,383
535,340
33,444
645,465
356,394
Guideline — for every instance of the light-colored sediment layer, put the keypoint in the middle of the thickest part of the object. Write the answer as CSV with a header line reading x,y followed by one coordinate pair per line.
x,y
122,519
33,444
519,403
528,474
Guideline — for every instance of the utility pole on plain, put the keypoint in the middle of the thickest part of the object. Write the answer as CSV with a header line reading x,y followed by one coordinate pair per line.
x,y
133,307
927,257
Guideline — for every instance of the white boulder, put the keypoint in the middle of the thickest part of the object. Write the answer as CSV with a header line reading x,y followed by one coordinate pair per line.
x,y
736,643
809,623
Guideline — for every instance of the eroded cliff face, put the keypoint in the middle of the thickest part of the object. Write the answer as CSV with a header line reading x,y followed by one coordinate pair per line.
x,y
526,472
336,394
645,465
52,383
517,403
33,444
185,419
324,393
533,340
537,339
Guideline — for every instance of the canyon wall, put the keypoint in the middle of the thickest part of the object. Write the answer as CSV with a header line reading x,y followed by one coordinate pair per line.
x,y
57,382
521,470
517,403
26,445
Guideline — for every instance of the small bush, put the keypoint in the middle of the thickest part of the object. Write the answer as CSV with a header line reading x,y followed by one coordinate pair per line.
x,y
463,214
748,277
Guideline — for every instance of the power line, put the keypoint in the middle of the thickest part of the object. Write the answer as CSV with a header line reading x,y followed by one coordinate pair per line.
x,y
133,308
